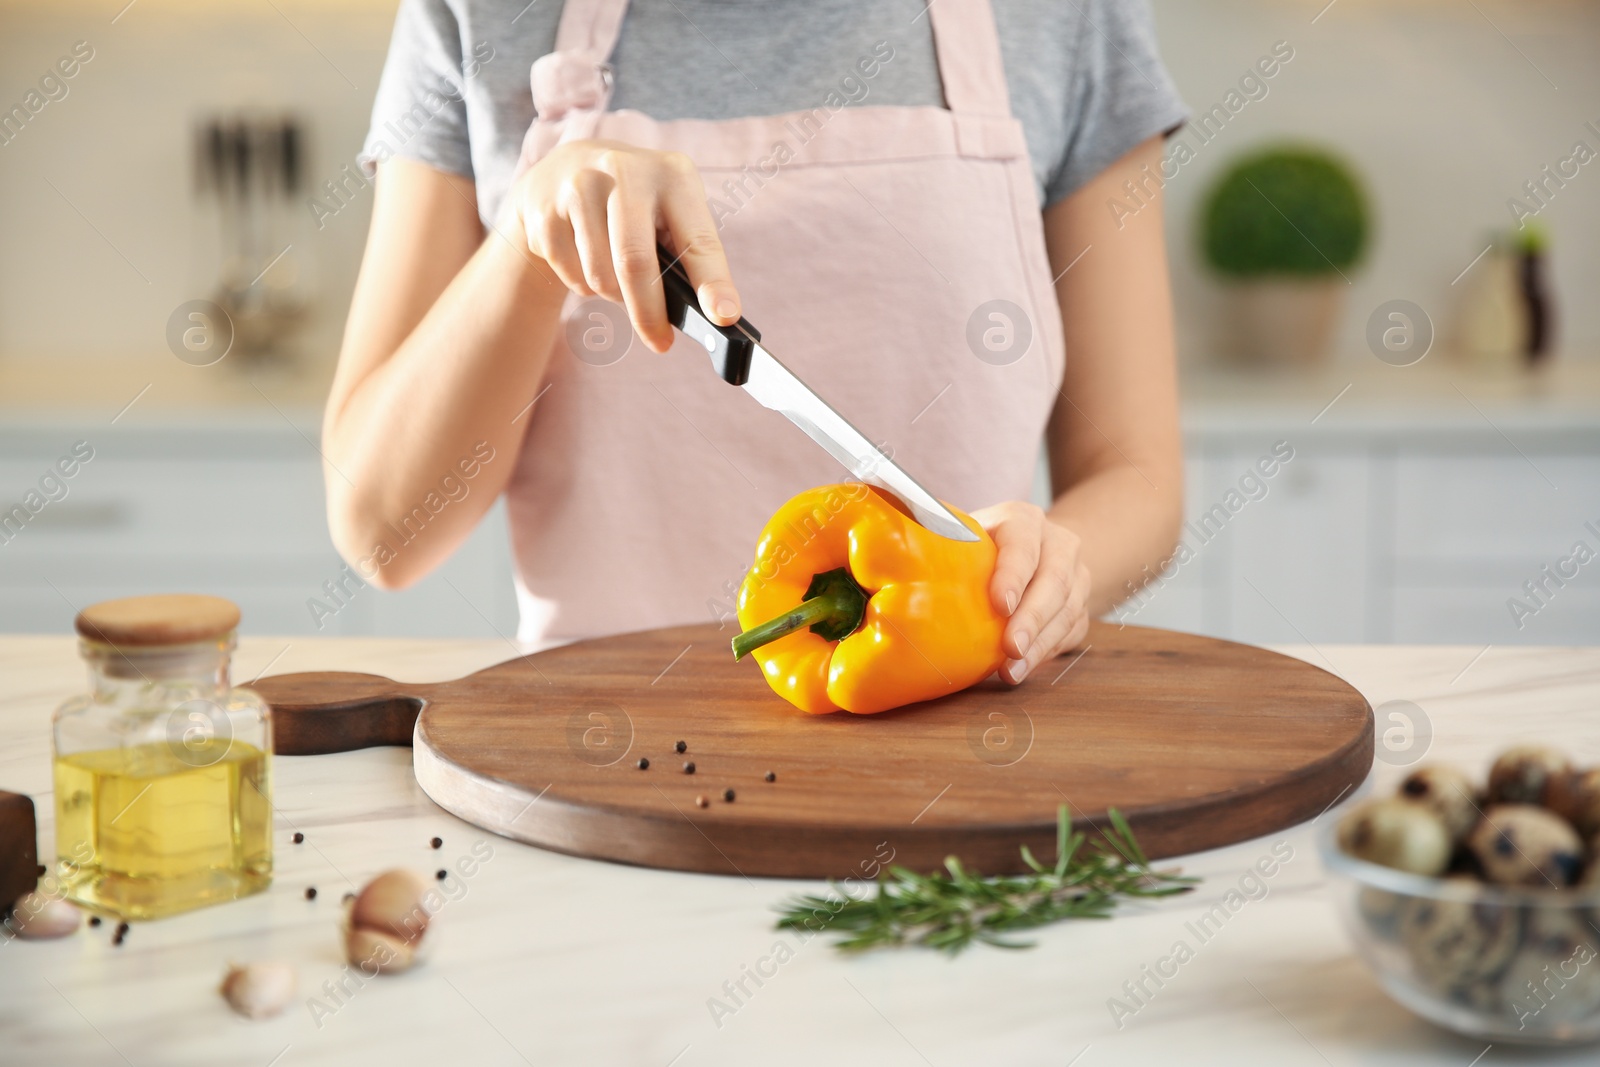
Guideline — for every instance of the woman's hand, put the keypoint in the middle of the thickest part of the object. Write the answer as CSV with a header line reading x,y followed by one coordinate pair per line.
x,y
1040,581
594,210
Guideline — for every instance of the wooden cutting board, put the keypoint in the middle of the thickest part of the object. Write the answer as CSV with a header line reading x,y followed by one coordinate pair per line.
x,y
1198,742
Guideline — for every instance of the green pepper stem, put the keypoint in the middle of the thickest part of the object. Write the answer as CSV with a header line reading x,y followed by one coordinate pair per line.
x,y
805,614
833,608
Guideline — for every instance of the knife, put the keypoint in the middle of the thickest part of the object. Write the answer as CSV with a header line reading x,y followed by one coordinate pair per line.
x,y
738,357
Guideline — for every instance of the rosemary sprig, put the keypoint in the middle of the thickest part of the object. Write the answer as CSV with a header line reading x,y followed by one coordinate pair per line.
x,y
950,911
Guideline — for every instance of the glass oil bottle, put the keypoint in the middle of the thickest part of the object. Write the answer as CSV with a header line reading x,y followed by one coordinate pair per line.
x,y
163,770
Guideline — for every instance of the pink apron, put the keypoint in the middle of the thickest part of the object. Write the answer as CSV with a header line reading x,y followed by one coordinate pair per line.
x,y
893,257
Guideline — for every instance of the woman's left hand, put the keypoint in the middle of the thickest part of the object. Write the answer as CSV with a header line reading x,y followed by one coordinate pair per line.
x,y
1040,581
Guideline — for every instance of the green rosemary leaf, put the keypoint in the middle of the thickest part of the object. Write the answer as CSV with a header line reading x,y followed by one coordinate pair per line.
x,y
952,909
1063,836
1125,832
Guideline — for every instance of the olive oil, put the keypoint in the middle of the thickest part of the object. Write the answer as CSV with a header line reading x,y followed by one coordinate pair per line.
x,y
154,829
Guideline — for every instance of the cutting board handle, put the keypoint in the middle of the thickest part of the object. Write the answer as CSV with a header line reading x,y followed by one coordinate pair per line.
x,y
339,711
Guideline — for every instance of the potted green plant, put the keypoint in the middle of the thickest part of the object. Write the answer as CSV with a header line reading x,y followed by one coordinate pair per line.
x,y
1284,226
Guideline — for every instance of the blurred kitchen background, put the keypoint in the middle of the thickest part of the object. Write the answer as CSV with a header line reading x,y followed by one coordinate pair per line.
x,y
1428,495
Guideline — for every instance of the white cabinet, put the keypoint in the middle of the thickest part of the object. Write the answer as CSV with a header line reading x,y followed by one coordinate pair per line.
x,y
1385,531
1473,532
1462,509
233,511
1393,534
178,506
1480,615
1301,554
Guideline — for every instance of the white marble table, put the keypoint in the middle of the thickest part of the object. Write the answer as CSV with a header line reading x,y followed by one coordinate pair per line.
x,y
548,959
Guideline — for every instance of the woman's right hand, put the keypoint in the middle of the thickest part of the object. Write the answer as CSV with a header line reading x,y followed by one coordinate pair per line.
x,y
594,211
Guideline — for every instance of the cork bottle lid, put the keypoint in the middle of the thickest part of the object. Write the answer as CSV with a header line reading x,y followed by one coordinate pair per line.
x,y
165,619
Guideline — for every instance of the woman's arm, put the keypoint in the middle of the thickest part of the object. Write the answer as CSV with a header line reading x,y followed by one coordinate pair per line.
x,y
1116,451
446,341
450,329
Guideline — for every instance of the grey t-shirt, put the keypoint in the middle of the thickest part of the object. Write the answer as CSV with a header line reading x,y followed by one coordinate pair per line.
x,y
1084,75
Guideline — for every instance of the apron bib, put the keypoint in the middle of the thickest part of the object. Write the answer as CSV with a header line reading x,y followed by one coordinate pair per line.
x,y
892,257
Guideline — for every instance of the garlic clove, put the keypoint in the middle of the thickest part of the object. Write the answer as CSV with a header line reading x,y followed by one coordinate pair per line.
x,y
392,903
385,923
37,917
259,990
376,952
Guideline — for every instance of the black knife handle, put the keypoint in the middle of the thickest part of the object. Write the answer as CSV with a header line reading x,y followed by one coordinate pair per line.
x,y
730,347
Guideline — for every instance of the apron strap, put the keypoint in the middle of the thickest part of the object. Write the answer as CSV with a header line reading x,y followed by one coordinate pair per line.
x,y
590,26
572,84
968,51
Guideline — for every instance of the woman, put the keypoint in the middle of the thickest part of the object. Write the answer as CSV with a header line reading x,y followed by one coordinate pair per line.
x,y
855,179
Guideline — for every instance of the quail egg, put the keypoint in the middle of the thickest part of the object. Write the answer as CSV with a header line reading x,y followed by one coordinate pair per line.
x,y
1555,974
1484,995
1448,792
1591,874
1524,774
1396,833
1518,844
1455,944
1381,911
1576,798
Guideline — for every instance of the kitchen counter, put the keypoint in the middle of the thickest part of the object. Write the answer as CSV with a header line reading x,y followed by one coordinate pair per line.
x,y
159,391
1367,398
544,958
1344,396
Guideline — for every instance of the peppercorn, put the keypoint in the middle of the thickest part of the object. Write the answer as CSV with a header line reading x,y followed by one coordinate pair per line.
x,y
437,842
701,801
347,898
727,794
688,768
681,747
771,777
311,892
644,763
94,920
441,874
122,932
299,837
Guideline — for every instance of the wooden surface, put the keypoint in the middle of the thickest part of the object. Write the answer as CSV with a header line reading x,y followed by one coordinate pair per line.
x,y
158,619
1198,742
19,851
542,958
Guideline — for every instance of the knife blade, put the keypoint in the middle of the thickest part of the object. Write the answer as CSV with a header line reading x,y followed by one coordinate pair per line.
x,y
739,359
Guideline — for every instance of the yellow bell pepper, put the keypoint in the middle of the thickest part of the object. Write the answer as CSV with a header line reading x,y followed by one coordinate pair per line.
x,y
852,605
